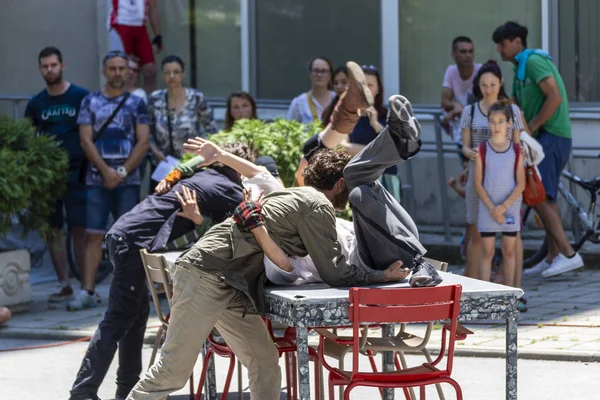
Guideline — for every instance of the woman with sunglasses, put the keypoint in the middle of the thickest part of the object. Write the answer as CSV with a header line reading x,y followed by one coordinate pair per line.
x,y
308,107
178,113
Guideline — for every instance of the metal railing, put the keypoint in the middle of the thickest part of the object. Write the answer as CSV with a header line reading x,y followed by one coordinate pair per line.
x,y
15,99
437,146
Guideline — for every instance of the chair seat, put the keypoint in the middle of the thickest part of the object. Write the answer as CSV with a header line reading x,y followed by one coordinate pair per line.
x,y
403,341
425,371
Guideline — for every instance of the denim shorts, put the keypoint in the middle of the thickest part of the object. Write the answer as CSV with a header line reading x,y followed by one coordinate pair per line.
x,y
102,201
72,204
556,155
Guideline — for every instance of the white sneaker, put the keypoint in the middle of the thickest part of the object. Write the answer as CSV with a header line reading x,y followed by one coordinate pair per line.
x,y
537,269
84,300
562,264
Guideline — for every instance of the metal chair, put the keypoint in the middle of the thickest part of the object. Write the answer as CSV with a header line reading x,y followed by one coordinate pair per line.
x,y
368,306
155,266
404,341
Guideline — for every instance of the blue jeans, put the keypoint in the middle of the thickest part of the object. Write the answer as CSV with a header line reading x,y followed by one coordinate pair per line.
x,y
102,201
124,323
556,155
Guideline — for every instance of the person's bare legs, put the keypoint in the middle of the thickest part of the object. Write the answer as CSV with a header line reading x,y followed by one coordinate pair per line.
x,y
518,261
149,74
509,259
488,248
473,252
550,216
93,257
79,236
57,246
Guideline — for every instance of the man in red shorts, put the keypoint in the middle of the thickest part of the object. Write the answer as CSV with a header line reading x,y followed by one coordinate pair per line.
x,y
128,33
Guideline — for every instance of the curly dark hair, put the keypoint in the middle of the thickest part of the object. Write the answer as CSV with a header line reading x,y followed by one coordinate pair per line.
x,y
241,149
325,168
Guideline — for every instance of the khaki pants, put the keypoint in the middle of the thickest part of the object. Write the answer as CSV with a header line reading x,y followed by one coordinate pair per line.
x,y
201,301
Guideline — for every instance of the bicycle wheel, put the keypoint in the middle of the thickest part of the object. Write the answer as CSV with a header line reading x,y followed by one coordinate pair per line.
x,y
104,269
538,256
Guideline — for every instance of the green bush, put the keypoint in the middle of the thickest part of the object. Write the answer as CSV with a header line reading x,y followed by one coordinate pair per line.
x,y
281,139
33,174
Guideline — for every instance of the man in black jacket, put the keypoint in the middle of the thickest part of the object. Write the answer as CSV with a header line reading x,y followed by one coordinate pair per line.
x,y
152,225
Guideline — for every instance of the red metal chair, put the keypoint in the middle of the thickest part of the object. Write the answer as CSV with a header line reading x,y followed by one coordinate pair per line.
x,y
368,306
286,345
220,348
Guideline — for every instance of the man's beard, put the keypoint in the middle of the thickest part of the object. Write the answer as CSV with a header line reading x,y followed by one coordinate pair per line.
x,y
340,200
116,84
54,79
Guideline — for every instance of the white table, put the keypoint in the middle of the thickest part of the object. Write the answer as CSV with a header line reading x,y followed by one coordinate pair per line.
x,y
319,305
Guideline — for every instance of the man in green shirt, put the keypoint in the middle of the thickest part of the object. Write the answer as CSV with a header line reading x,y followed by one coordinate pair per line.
x,y
540,92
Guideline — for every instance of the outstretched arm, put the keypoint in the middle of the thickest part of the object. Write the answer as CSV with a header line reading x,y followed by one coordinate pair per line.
x,y
213,153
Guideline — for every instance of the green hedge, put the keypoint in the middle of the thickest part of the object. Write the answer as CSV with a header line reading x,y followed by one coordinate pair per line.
x,y
33,174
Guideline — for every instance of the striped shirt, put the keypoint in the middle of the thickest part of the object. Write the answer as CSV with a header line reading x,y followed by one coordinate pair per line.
x,y
480,132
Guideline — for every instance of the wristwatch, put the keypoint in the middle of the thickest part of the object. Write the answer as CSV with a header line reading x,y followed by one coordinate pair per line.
x,y
122,171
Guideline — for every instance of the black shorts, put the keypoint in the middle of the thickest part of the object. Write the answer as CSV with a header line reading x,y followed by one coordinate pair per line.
x,y
493,234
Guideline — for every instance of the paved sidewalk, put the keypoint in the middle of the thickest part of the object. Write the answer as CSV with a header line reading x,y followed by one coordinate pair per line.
x,y
563,321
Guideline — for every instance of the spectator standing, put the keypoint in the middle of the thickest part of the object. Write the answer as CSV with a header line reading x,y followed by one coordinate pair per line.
x,y
132,78
540,90
457,88
177,113
113,126
54,112
499,181
240,105
308,107
128,33
488,89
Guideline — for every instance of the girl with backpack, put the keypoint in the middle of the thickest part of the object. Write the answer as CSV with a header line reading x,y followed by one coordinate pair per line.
x,y
499,180
488,89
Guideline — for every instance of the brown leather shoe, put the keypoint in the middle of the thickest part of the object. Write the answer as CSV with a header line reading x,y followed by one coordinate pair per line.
x,y
356,97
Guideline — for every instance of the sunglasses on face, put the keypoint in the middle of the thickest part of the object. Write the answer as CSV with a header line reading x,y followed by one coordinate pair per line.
x,y
369,68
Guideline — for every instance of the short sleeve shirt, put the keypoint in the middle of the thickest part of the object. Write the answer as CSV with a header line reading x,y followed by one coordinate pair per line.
x,y
57,116
118,140
460,88
194,118
531,98
300,109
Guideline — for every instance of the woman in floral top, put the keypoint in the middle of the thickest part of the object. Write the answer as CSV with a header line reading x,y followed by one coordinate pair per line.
x,y
177,113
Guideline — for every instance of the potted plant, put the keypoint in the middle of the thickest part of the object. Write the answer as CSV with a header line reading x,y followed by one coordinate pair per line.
x,y
33,174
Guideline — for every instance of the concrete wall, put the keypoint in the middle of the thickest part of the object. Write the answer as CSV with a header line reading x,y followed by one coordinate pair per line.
x,y
27,26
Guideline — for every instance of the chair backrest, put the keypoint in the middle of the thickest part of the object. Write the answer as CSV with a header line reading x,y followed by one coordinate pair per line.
x,y
402,305
439,265
155,266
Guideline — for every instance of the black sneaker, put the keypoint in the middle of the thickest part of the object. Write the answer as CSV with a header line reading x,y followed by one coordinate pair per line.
x,y
425,275
403,126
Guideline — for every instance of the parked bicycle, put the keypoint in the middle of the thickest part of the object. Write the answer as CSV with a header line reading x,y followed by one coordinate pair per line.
x,y
586,220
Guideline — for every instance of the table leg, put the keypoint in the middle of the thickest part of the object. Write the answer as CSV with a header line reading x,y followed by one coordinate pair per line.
x,y
210,385
388,359
511,358
303,365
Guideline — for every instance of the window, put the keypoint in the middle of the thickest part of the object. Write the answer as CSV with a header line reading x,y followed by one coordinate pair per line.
x,y
579,62
216,64
290,32
427,28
